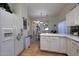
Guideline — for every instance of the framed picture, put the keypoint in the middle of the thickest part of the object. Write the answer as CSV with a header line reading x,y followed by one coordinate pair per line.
x,y
24,23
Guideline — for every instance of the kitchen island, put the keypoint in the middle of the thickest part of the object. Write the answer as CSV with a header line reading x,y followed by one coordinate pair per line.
x,y
60,43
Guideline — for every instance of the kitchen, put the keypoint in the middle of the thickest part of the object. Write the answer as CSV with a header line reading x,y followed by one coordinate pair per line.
x,y
64,43
54,31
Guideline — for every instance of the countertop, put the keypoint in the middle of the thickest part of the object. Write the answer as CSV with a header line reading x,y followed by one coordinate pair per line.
x,y
50,34
76,38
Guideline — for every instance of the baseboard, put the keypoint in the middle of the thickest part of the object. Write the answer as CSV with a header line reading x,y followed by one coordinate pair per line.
x,y
54,52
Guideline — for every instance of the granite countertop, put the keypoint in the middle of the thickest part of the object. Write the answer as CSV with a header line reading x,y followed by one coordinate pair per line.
x,y
76,38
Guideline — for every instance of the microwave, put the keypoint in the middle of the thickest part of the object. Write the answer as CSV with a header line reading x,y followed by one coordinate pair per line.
x,y
74,30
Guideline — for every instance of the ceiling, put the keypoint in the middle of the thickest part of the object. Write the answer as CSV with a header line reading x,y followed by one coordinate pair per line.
x,y
44,9
39,9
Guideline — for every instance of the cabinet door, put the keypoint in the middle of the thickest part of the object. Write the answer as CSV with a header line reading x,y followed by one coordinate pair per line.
x,y
63,45
75,48
72,17
54,44
72,48
76,15
69,19
69,44
43,43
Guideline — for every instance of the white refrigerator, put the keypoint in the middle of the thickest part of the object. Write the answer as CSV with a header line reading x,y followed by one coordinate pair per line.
x,y
10,26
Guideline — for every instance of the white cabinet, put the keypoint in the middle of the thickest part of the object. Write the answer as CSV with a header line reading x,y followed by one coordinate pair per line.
x,y
72,48
44,43
72,18
49,43
69,44
76,15
52,43
75,48
59,44
62,45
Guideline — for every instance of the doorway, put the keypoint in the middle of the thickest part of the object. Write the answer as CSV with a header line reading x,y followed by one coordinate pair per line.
x,y
38,27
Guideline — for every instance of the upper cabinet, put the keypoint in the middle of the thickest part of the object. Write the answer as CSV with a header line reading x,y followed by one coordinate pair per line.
x,y
72,18
76,15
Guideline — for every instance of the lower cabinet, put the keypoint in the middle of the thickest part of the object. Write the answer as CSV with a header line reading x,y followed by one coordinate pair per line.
x,y
72,48
62,44
75,48
55,44
59,44
69,46
44,43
